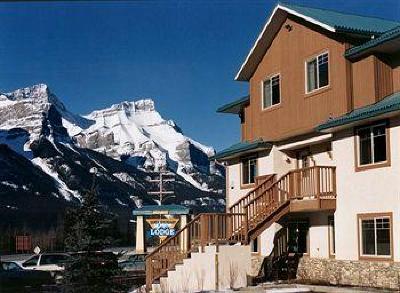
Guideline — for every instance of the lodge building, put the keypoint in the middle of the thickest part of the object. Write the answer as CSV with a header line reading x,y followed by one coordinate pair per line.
x,y
317,169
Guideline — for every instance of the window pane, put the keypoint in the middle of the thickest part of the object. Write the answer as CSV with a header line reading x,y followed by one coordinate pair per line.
x,y
365,146
267,94
323,70
368,237
276,95
253,170
245,172
383,236
379,143
311,75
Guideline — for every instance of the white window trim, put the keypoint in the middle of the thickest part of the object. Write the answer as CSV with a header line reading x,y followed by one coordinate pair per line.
x,y
376,240
242,168
306,73
370,127
270,77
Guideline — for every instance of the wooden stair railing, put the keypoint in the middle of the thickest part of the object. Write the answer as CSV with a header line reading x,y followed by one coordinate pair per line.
x,y
261,187
203,230
318,182
254,209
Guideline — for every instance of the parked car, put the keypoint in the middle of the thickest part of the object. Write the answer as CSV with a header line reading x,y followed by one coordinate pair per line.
x,y
135,262
13,278
46,262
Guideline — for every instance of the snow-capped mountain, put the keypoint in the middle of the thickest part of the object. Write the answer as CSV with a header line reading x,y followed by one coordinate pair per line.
x,y
46,153
136,132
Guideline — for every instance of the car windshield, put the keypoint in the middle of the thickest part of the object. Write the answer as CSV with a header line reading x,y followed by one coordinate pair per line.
x,y
31,262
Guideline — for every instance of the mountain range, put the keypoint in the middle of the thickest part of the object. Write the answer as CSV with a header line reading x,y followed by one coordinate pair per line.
x,y
47,152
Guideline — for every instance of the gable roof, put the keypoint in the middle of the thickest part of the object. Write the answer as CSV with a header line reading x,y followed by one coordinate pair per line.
x,y
234,107
329,20
387,42
388,106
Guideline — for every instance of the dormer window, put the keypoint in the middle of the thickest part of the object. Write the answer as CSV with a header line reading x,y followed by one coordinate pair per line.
x,y
317,72
271,91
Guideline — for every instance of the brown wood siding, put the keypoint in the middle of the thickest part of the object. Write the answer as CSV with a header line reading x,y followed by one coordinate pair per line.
x,y
383,79
298,113
396,79
372,81
364,86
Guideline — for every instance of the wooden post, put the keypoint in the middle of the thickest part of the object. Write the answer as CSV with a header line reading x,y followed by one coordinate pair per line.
x,y
318,179
203,231
334,181
149,274
216,231
245,226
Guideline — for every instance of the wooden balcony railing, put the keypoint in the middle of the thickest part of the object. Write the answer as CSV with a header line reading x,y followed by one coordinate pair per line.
x,y
203,230
257,207
308,183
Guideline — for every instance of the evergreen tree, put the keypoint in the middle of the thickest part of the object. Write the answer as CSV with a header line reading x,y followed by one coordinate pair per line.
x,y
87,233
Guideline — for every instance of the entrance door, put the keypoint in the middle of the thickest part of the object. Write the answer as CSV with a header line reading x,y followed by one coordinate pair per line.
x,y
298,236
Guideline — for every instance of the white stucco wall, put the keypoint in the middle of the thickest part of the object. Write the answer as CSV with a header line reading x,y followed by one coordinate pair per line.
x,y
369,191
318,235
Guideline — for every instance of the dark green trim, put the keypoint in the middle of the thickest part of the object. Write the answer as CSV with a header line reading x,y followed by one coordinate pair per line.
x,y
234,107
241,147
172,209
387,105
386,37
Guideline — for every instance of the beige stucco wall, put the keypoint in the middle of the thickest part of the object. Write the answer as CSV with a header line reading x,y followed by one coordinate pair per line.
x,y
280,162
318,235
210,270
369,191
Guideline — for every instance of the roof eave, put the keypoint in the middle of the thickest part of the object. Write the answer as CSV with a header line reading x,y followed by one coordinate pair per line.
x,y
240,76
232,155
357,122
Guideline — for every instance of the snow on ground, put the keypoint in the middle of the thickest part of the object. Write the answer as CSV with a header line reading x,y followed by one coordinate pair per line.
x,y
62,187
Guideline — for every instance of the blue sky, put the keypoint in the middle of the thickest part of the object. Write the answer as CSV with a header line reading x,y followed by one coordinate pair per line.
x,y
183,54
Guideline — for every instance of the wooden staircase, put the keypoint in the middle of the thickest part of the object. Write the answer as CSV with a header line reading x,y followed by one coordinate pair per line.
x,y
307,189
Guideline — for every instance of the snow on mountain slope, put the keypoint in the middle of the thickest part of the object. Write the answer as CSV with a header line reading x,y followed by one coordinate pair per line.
x,y
136,131
132,132
24,108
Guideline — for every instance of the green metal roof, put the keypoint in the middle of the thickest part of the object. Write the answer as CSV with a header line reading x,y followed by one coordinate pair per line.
x,y
386,37
387,105
171,209
346,22
234,107
241,147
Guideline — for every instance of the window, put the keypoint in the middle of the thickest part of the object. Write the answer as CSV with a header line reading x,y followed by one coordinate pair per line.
x,y
271,92
372,144
249,170
375,236
317,72
331,227
50,259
